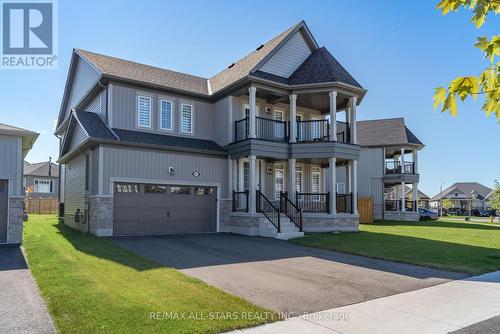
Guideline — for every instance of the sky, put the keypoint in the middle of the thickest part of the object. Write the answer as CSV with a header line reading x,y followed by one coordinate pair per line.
x,y
398,50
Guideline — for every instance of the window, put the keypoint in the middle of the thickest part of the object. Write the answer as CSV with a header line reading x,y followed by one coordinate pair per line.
x,y
200,191
166,114
43,186
143,111
155,189
340,188
180,190
298,178
278,180
316,182
127,188
186,118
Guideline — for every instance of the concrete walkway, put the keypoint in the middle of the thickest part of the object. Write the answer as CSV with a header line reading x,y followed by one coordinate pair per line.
x,y
442,308
22,310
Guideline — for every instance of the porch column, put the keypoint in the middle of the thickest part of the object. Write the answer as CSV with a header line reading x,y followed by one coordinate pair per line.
x,y
291,179
415,161
402,159
352,120
403,197
240,175
293,118
415,194
333,185
354,175
333,115
252,103
251,183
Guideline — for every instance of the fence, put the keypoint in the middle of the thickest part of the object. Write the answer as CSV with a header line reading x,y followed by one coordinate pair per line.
x,y
41,205
365,209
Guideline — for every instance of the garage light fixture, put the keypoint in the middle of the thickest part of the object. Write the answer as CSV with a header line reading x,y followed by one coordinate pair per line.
x,y
171,170
196,173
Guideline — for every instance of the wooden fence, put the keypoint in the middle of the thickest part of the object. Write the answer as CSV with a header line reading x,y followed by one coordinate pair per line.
x,y
365,209
41,205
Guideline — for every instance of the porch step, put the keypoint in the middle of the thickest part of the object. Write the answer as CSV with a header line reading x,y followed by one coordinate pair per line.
x,y
288,229
289,235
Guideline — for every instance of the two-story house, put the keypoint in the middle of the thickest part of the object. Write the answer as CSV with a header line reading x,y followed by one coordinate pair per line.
x,y
255,149
389,167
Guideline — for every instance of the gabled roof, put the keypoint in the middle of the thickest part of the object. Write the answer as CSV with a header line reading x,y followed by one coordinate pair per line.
x,y
465,188
93,125
385,132
125,69
41,169
319,67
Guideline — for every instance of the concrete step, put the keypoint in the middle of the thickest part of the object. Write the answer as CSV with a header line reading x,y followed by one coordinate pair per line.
x,y
289,235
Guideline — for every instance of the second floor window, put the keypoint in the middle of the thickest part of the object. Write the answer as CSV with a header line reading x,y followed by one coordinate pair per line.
x,y
42,186
166,112
144,111
186,118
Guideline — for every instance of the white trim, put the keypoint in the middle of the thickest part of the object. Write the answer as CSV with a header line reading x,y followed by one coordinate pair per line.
x,y
231,125
160,114
301,165
192,118
137,98
282,169
209,87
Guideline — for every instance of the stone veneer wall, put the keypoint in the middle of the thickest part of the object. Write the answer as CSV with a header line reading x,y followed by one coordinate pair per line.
x,y
400,215
15,231
328,223
101,215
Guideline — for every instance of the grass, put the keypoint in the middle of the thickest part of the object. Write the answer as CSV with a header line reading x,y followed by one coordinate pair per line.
x,y
452,245
92,285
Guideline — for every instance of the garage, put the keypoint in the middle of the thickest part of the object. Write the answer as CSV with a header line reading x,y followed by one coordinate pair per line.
x,y
149,209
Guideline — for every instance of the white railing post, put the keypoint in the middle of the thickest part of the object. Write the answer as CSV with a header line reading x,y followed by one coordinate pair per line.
x,y
292,163
355,187
293,118
252,95
402,160
252,183
352,119
333,185
333,115
403,197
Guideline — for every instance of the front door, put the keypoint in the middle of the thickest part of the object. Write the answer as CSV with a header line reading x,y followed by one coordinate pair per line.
x,y
4,199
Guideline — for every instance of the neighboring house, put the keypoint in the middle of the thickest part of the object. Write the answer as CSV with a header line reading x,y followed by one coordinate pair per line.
x,y
42,178
389,160
394,194
145,150
15,143
463,194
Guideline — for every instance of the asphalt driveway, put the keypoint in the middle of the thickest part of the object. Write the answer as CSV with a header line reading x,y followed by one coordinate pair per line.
x,y
22,310
283,276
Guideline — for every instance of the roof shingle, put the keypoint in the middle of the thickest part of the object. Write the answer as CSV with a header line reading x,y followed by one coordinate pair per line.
x,y
385,132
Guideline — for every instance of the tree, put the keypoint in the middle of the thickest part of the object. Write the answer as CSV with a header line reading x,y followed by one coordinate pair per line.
x,y
447,203
495,197
487,83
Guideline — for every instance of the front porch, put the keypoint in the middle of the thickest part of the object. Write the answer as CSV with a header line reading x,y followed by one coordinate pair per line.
x,y
266,192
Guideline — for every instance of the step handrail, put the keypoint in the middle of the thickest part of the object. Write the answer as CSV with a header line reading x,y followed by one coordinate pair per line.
x,y
291,210
267,208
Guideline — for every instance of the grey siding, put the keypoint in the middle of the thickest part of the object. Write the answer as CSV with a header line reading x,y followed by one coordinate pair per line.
x,y
75,186
77,138
123,101
11,163
30,182
97,105
224,124
84,78
289,57
154,165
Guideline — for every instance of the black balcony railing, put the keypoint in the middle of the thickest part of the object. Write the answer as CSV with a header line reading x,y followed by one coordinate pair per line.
x,y
344,203
396,205
313,202
313,130
271,129
269,210
394,167
240,201
291,210
265,129
343,132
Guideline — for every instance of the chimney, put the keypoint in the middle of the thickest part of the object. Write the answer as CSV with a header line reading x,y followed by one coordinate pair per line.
x,y
50,166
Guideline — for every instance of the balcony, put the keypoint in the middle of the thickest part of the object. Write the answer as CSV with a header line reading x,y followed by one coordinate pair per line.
x,y
397,205
265,129
395,167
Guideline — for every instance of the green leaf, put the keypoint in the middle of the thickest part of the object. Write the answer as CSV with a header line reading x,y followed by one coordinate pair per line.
x,y
450,104
439,96
465,86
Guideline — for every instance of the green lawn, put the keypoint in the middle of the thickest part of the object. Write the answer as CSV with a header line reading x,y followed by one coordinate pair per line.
x,y
93,286
453,245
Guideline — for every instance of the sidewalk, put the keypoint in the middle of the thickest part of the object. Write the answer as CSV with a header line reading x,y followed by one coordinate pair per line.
x,y
439,309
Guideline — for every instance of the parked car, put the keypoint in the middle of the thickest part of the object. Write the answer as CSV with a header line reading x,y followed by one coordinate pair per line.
x,y
493,213
426,214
